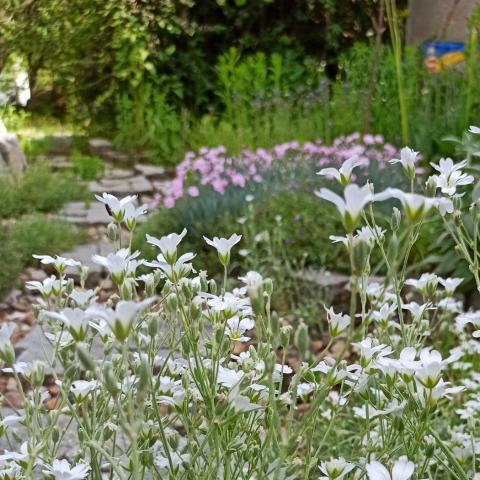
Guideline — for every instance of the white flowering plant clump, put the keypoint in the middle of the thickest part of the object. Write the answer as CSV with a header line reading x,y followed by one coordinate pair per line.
x,y
192,380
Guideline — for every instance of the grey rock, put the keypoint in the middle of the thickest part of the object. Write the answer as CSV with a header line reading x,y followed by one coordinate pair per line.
x,y
36,274
61,143
60,162
97,145
11,155
133,185
97,214
150,171
119,173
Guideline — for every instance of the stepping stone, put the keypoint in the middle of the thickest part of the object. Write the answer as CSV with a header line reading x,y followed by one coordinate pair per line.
x,y
96,145
118,174
133,185
79,214
150,171
60,162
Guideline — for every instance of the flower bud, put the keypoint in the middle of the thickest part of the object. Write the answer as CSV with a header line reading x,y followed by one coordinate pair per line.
x,y
396,219
301,339
83,275
212,286
145,376
431,187
127,289
285,333
172,302
110,380
275,324
38,373
69,286
7,353
268,286
85,358
203,280
112,232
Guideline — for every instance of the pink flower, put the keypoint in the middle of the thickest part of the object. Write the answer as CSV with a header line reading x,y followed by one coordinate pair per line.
x,y
193,191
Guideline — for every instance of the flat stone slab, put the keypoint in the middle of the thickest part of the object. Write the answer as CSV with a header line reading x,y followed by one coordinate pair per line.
x,y
133,185
81,214
150,171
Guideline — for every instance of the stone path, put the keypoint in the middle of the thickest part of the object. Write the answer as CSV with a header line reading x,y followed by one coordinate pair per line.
x,y
122,176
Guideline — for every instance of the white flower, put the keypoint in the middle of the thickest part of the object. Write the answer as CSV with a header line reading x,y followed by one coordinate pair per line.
x,y
369,351
450,284
49,286
335,469
408,157
369,235
402,470
181,268
474,129
132,213
241,403
350,207
168,244
414,204
426,284
59,263
337,322
236,327
120,320
228,377
253,281
76,319
224,246
344,173
119,264
450,176
81,388
62,470
82,298
114,206
230,304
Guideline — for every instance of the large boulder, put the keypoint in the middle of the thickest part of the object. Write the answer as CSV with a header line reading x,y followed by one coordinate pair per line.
x,y
11,155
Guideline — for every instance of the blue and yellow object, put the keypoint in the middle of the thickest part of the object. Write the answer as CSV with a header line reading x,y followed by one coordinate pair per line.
x,y
441,55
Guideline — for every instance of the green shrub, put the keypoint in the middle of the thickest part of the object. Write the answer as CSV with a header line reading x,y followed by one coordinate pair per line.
x,y
87,167
39,190
20,239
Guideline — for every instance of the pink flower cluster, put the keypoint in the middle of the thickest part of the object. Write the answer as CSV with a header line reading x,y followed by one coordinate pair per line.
x,y
213,168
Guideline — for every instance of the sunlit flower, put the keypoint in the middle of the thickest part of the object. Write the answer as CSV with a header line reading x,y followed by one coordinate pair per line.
x,y
236,327
62,470
116,207
416,205
337,322
168,244
450,284
224,246
474,129
81,388
450,176
351,206
335,469
59,263
50,286
132,213
408,157
75,319
344,173
402,470
119,264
